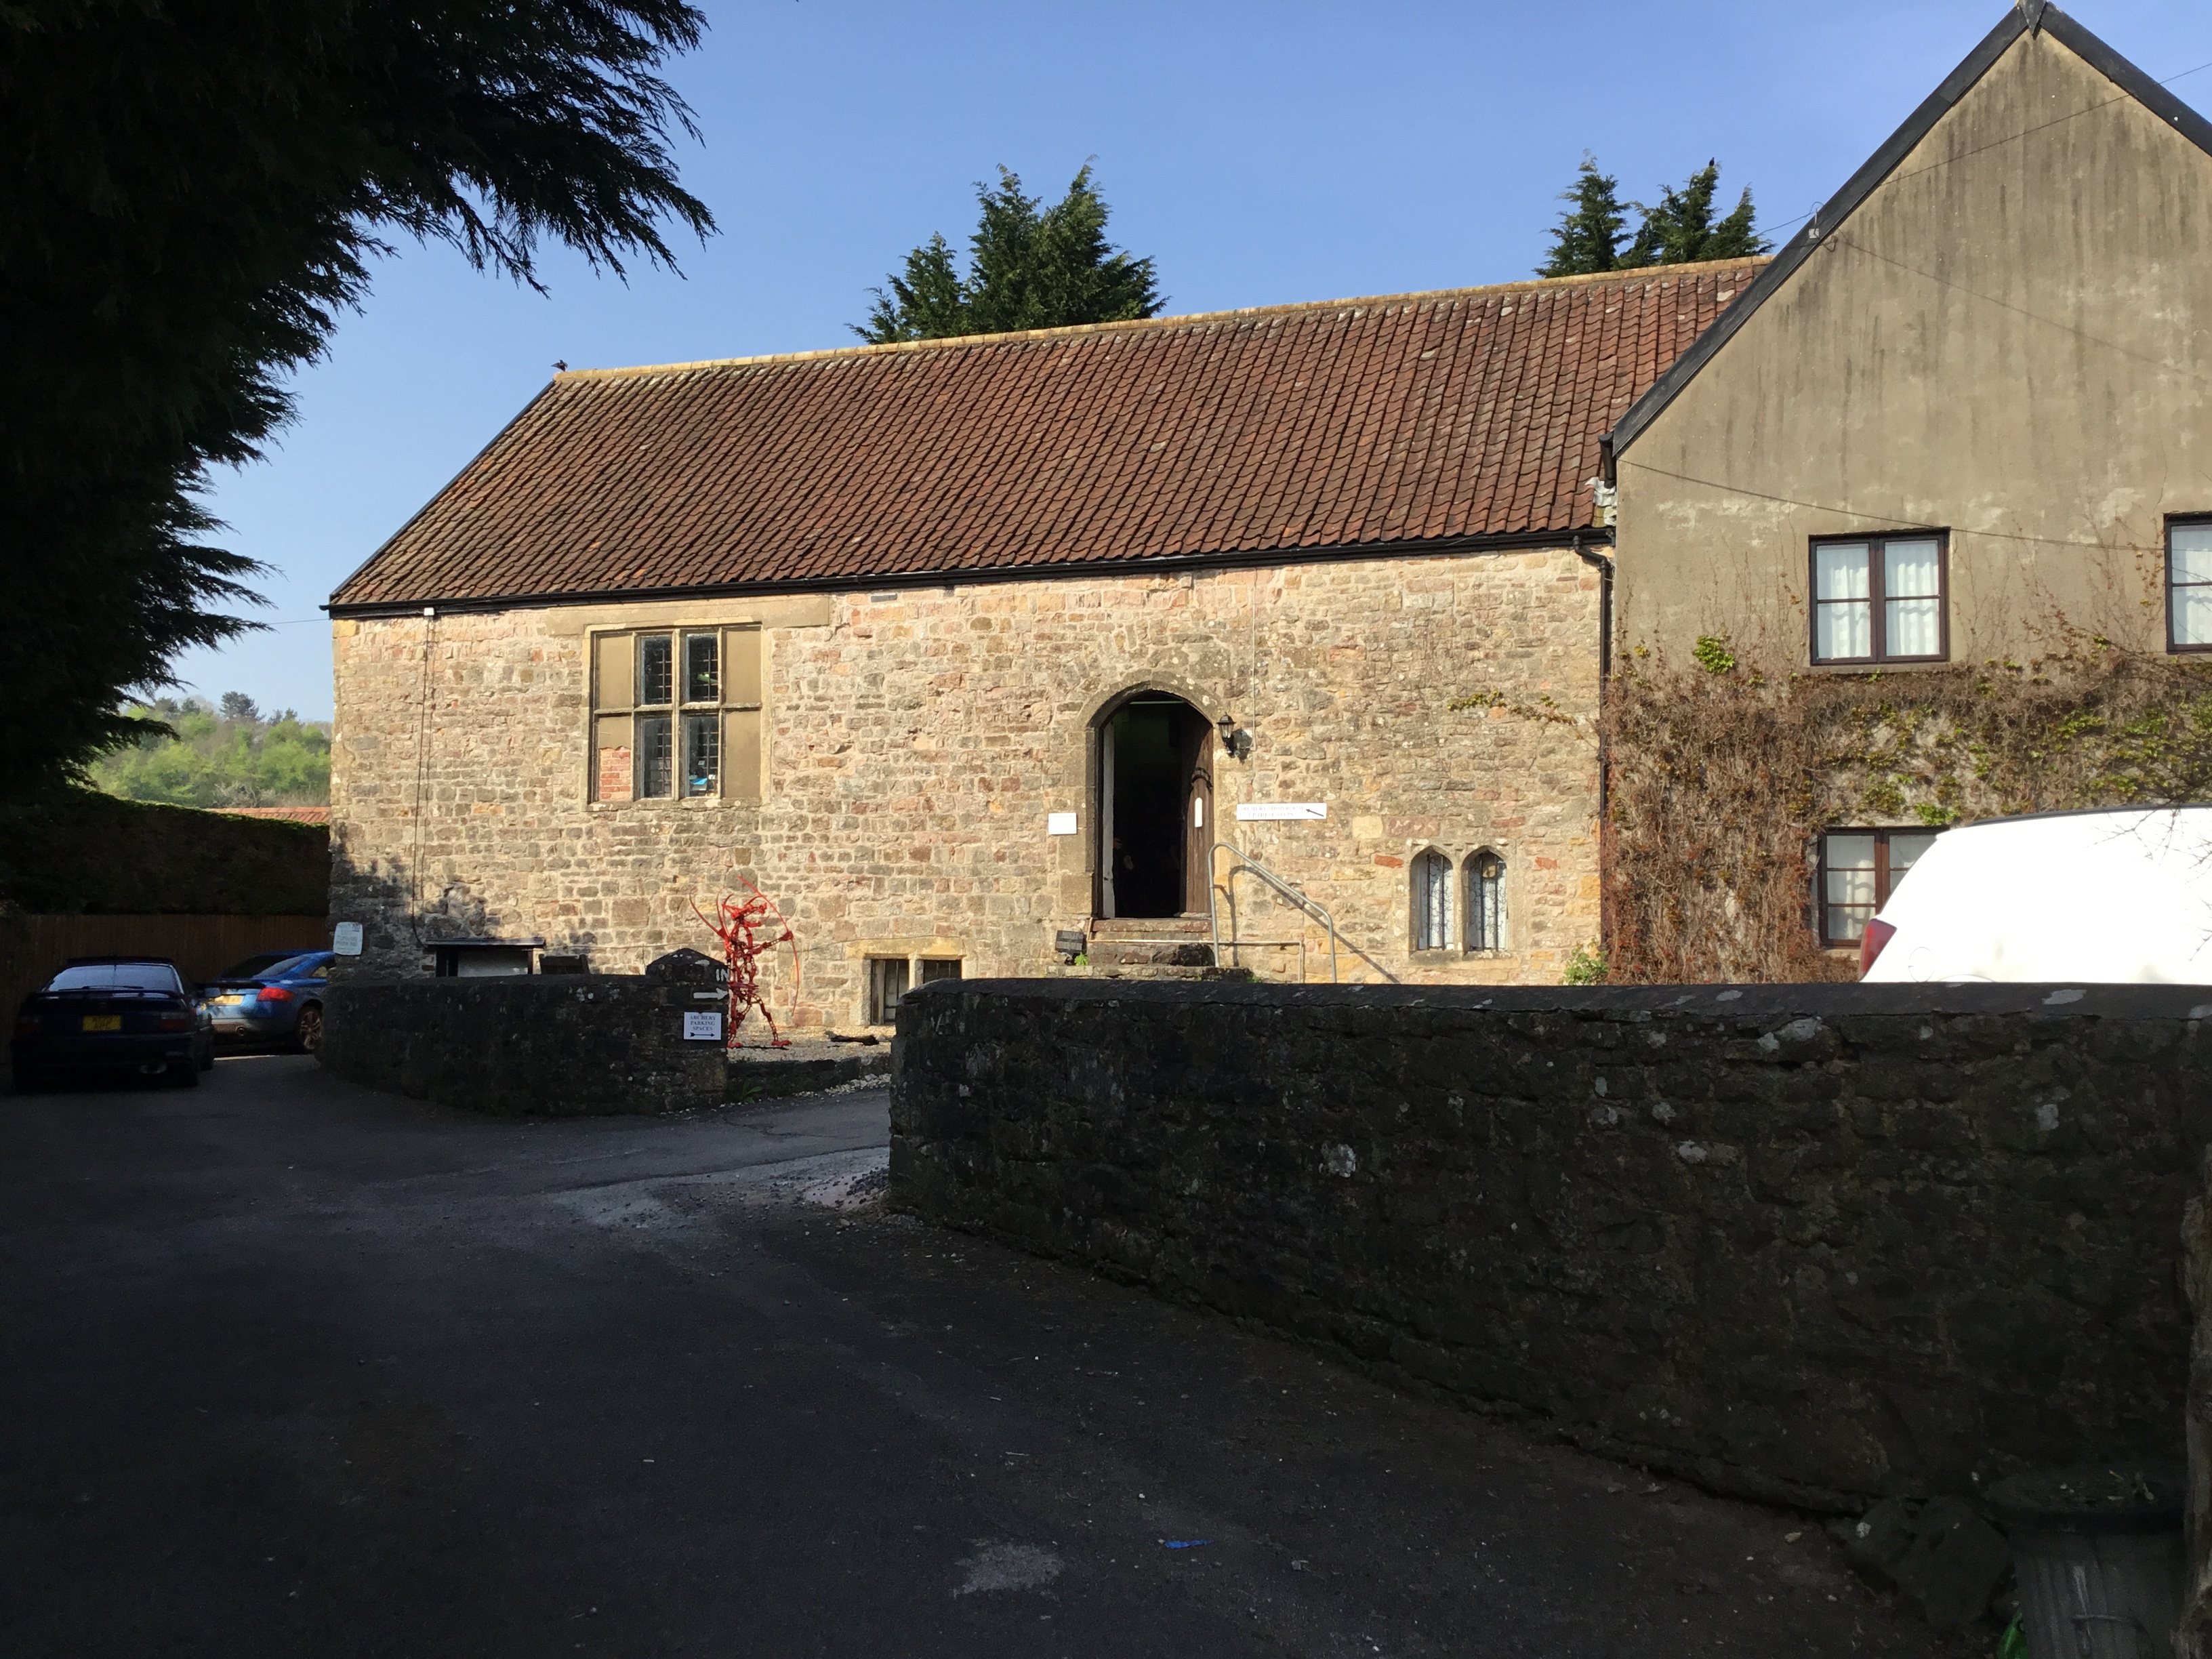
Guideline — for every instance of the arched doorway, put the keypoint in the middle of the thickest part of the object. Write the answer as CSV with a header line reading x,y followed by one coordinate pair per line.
x,y
1155,807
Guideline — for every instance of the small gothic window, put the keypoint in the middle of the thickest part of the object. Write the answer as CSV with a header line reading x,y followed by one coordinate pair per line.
x,y
1432,904
1485,902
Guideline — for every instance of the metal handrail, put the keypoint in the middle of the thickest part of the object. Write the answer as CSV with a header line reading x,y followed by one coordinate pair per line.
x,y
1289,893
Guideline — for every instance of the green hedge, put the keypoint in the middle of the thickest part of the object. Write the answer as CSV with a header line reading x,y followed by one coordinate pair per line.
x,y
71,852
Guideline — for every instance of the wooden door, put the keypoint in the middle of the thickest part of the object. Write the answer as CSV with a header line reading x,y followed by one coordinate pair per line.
x,y
1198,826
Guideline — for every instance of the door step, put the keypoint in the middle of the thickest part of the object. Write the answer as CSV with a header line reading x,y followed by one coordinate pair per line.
x,y
1148,971
1152,942
1151,927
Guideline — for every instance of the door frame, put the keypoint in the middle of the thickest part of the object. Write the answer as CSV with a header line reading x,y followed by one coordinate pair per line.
x,y
1097,794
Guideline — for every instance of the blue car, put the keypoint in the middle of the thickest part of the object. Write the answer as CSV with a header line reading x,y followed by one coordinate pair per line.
x,y
111,1013
270,1002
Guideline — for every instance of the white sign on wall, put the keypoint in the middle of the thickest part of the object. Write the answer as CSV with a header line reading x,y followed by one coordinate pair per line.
x,y
345,938
1060,823
1264,811
702,1027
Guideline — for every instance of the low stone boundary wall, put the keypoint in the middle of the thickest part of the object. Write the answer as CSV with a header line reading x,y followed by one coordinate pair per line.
x,y
1808,1243
555,1045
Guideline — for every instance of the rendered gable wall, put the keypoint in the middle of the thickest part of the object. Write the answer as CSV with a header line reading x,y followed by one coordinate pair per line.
x,y
2009,339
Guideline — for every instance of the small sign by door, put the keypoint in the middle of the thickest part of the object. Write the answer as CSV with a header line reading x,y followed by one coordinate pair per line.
x,y
1266,811
345,938
1060,823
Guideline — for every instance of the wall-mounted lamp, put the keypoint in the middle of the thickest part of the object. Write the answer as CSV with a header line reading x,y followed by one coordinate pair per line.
x,y
1236,740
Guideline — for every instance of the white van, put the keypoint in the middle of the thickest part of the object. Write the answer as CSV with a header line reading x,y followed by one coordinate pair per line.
x,y
2109,897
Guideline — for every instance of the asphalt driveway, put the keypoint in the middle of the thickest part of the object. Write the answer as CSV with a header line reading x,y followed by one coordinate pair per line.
x,y
290,1368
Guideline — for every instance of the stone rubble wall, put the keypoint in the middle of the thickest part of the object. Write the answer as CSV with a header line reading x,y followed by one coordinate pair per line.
x,y
1814,1244
917,740
526,1046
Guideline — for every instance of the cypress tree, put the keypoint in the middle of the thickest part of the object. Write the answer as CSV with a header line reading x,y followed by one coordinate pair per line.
x,y
1681,229
194,191
1587,239
1030,266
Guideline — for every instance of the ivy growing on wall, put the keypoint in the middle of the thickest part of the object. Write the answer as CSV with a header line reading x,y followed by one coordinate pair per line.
x,y
1721,777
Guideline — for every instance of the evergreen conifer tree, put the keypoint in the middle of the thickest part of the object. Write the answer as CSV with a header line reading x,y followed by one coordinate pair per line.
x,y
1030,266
194,191
1679,230
1587,239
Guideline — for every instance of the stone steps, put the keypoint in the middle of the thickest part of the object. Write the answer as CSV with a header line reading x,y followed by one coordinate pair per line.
x,y
1152,942
1144,971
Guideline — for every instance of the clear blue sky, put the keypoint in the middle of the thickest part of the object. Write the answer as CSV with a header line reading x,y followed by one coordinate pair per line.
x,y
1262,153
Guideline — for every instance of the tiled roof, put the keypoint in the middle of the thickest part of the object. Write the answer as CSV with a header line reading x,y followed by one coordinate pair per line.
x,y
1356,424
295,814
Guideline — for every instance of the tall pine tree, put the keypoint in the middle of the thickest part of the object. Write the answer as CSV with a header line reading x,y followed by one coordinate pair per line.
x,y
1030,266
1679,230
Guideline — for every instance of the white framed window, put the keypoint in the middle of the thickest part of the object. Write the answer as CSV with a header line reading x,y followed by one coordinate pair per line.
x,y
1485,902
1433,902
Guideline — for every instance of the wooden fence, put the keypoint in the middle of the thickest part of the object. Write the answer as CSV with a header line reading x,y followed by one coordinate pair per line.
x,y
32,947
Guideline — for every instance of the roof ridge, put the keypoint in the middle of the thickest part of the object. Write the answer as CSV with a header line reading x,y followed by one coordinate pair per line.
x,y
956,341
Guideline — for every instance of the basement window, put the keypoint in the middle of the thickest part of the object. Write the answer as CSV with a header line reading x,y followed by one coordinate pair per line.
x,y
677,714
1859,869
1882,598
888,978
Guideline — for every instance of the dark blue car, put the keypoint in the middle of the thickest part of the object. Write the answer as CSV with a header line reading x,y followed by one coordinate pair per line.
x,y
263,1002
111,1013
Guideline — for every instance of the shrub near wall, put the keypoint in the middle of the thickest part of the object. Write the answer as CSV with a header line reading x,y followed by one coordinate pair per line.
x,y
73,852
1812,1244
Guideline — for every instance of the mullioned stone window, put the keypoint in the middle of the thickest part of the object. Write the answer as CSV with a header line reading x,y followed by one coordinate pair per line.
x,y
675,714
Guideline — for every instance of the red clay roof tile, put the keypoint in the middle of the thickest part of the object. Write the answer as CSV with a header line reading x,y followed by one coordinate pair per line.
x,y
1357,424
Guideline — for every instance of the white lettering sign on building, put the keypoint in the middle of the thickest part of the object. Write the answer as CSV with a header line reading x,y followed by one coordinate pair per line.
x,y
1281,811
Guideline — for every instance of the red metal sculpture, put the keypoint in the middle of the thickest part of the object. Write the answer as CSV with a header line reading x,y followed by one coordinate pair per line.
x,y
742,925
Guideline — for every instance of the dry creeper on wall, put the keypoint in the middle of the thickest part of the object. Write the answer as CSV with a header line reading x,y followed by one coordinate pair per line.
x,y
1721,777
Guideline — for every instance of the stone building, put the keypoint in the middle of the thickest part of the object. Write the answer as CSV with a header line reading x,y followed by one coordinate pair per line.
x,y
960,648
1959,419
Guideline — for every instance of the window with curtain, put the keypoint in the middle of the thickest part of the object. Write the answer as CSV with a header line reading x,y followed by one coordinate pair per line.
x,y
2188,585
1880,599
1432,905
1859,869
1485,902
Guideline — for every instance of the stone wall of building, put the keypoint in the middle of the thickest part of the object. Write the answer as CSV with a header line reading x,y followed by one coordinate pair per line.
x,y
1810,1243
917,740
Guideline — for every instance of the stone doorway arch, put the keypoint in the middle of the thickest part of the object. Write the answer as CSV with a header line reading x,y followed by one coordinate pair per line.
x,y
1154,824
